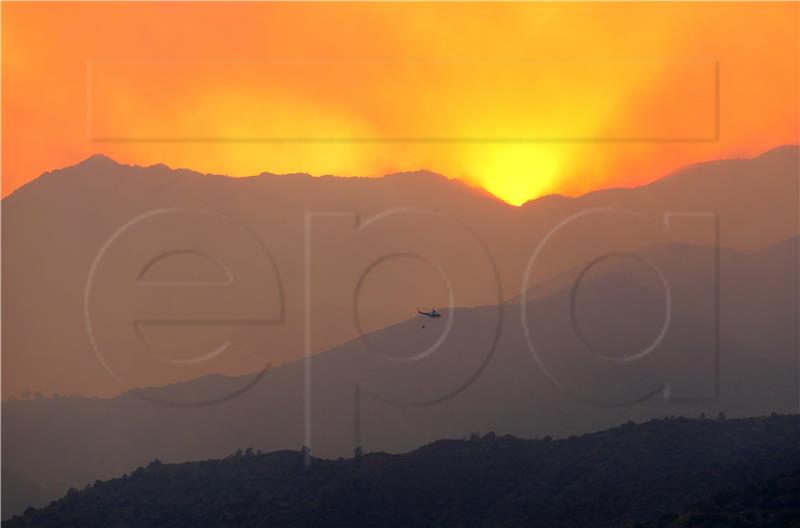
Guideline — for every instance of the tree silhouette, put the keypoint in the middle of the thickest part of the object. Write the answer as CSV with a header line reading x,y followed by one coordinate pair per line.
x,y
633,475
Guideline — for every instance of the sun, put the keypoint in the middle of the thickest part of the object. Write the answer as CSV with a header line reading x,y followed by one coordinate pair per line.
x,y
516,173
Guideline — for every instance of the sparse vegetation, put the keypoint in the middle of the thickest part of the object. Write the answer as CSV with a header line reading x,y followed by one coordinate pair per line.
x,y
632,475
773,503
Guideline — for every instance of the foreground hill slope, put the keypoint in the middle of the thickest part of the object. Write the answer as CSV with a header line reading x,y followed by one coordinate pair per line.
x,y
632,473
773,503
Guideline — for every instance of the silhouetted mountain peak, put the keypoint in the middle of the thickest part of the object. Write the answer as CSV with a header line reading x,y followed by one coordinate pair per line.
x,y
547,199
782,151
782,156
98,160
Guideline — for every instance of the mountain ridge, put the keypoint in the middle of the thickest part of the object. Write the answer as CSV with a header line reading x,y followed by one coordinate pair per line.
x,y
54,230
486,367
609,478
100,159
510,395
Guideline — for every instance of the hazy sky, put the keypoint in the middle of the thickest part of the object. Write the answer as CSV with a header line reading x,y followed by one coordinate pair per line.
x,y
520,99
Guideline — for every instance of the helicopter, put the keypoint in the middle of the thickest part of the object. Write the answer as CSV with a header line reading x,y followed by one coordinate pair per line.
x,y
433,314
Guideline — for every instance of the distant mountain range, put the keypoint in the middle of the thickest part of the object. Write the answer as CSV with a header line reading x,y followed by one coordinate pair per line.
x,y
624,316
56,227
625,476
465,385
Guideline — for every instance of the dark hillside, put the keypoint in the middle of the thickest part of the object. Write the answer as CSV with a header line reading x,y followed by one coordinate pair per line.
x,y
774,503
629,474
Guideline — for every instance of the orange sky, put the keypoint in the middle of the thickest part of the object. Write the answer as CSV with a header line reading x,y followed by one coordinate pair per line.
x,y
520,99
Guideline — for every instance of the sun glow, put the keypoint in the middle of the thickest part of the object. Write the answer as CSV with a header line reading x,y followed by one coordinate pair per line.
x,y
521,99
516,173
